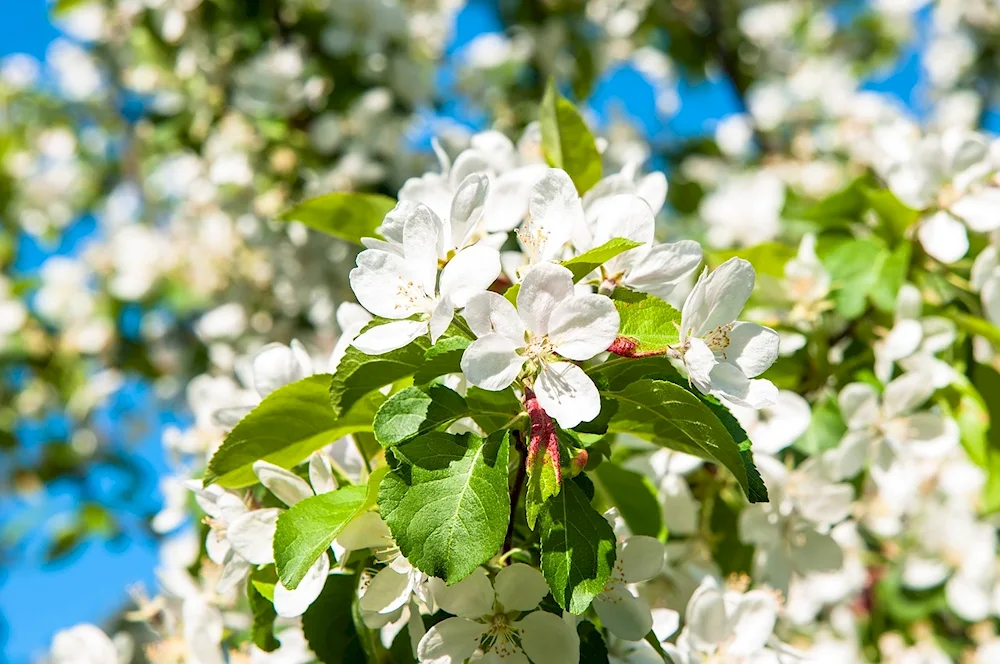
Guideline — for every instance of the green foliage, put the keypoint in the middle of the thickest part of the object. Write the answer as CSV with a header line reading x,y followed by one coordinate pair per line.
x,y
442,358
593,650
415,411
566,141
896,216
977,326
492,410
891,271
262,631
286,427
646,320
447,502
826,428
589,261
346,215
328,624
541,484
635,497
306,530
578,548
359,374
850,265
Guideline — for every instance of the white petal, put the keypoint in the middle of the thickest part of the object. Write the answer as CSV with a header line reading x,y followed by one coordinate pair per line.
x,y
567,394
491,362
390,336
582,326
467,208
365,531
699,361
470,271
928,435
663,266
421,247
472,597
251,535
707,624
921,573
859,405
234,570
83,644
968,598
729,382
286,485
903,339
641,558
753,348
906,393
543,287
943,237
815,552
753,623
849,457
378,283
979,210
665,623
624,615
388,591
622,215
520,587
276,365
719,297
488,313
321,474
509,195
293,603
451,641
545,637
556,211
653,189
441,317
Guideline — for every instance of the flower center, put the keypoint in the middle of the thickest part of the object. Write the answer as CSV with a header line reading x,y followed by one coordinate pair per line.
x,y
718,339
410,293
501,637
532,236
539,348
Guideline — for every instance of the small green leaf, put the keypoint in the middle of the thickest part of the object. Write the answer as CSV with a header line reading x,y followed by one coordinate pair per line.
x,y
262,632
306,530
826,428
892,271
442,358
894,214
850,265
286,427
578,548
448,504
589,261
415,411
359,375
347,215
566,141
328,623
646,320
635,497
492,410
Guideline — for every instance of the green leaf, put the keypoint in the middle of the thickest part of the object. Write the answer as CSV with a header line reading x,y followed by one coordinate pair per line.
x,y
578,548
593,650
541,485
359,374
307,528
415,411
896,216
566,141
448,505
850,265
977,326
492,410
589,261
646,320
442,358
767,258
892,271
670,415
262,631
286,427
826,428
347,215
328,623
635,497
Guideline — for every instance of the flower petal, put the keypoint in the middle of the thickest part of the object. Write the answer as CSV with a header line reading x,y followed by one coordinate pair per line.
x,y
582,326
276,365
491,362
706,621
943,237
488,313
365,531
390,336
906,393
470,271
641,558
753,348
543,287
979,210
467,207
293,603
624,615
653,189
441,317
378,282
859,405
251,535
422,246
718,297
450,641
520,587
753,623
622,215
556,212
547,638
663,266
288,487
321,473
567,394
388,591
509,196
472,597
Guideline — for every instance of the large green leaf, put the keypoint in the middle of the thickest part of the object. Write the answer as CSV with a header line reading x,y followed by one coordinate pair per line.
x,y
286,427
670,415
578,548
646,320
851,265
447,505
359,374
306,530
566,141
415,411
442,358
589,261
328,624
634,496
347,215
492,410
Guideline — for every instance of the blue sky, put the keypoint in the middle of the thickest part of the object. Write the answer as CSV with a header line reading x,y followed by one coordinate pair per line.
x,y
35,600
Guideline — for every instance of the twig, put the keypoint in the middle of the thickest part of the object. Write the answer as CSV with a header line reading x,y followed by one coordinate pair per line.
x,y
515,494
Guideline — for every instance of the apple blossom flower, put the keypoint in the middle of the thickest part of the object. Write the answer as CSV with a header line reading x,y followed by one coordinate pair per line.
x,y
724,356
500,619
87,644
638,558
775,427
400,286
550,322
914,340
